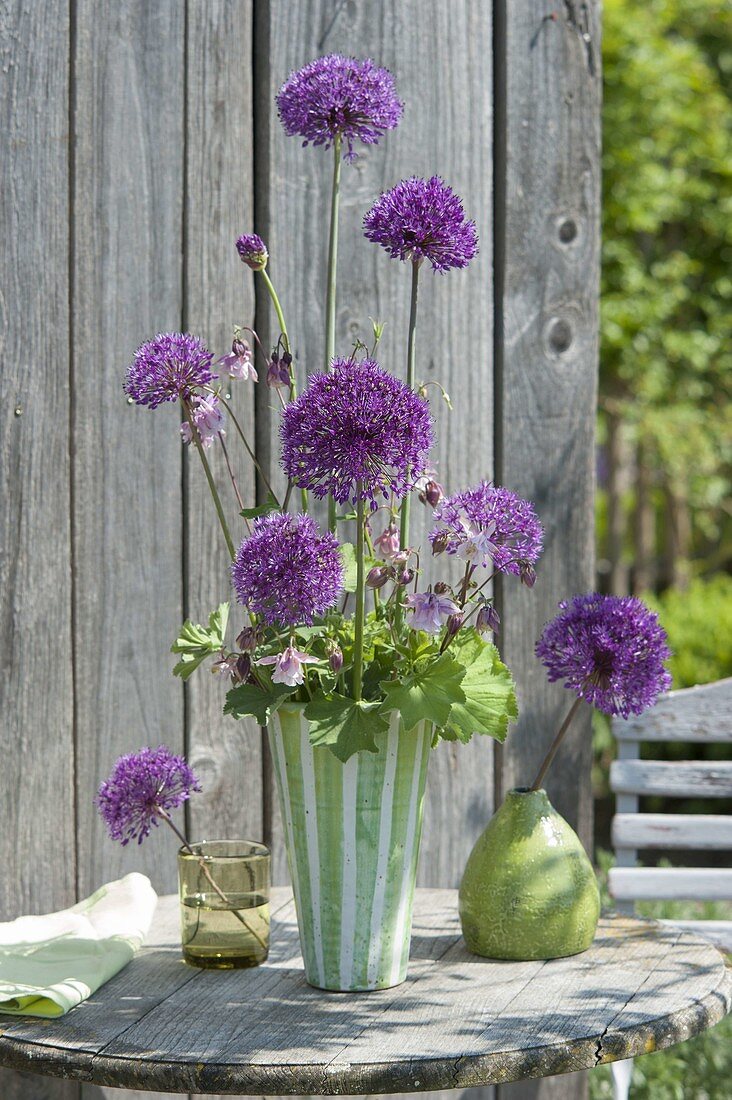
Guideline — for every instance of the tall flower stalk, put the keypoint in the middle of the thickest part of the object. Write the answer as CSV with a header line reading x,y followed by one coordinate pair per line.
x,y
331,281
360,595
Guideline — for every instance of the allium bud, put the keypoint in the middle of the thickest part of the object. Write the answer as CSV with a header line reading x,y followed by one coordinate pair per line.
x,y
441,587
432,493
528,574
242,669
252,251
487,619
377,577
248,639
405,577
335,659
453,624
440,542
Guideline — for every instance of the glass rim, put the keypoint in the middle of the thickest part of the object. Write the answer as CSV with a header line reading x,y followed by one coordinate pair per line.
x,y
246,850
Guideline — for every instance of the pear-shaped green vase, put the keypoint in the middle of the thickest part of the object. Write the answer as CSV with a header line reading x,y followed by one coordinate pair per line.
x,y
529,890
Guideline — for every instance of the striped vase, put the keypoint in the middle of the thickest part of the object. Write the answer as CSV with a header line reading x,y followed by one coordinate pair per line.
x,y
352,834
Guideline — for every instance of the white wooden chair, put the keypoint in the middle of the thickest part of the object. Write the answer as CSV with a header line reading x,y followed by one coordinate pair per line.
x,y
701,714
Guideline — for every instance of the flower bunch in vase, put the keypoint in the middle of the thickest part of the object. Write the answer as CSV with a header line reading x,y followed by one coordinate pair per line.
x,y
357,665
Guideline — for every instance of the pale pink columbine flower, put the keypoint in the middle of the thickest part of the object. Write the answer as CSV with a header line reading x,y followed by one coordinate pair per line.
x,y
386,544
225,666
478,543
430,611
207,417
238,363
288,666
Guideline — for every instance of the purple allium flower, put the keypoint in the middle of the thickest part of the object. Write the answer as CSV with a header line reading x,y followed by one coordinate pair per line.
x,y
423,219
609,650
238,363
288,666
252,251
168,367
286,570
489,525
207,417
144,786
339,95
356,424
430,611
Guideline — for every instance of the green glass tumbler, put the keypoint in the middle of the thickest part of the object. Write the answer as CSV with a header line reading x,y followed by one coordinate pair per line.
x,y
224,903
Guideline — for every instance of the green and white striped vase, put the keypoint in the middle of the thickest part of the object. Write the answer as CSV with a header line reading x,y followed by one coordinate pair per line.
x,y
352,832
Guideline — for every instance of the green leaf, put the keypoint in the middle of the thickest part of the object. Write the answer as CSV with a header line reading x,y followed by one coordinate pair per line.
x,y
427,695
248,699
270,505
344,725
490,696
196,643
350,566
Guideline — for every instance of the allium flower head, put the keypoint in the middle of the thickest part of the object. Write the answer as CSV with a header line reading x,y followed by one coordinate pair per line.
x,y
252,251
356,424
609,650
423,219
339,95
286,570
143,786
489,526
168,367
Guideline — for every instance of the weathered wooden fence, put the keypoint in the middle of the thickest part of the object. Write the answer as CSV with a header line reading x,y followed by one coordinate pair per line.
x,y
137,139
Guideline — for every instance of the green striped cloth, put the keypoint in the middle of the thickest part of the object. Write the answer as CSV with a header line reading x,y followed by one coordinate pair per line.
x,y
49,964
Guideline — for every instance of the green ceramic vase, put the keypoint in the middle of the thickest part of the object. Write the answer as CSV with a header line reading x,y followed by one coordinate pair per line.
x,y
529,890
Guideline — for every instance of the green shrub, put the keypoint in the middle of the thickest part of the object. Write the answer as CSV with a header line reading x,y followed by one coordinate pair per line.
x,y
699,627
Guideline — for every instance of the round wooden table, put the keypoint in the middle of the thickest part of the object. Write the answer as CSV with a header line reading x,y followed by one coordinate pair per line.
x,y
457,1021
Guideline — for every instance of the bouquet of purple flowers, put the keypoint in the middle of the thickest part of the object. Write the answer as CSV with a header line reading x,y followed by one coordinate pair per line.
x,y
350,627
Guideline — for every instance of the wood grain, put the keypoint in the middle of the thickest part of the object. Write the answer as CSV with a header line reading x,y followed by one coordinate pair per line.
x,y
694,714
37,842
219,292
664,883
457,1022
687,831
676,779
547,170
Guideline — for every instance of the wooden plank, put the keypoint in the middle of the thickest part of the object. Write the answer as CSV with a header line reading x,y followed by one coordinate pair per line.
x,y
226,755
694,714
458,1021
547,212
127,217
688,831
668,883
37,842
678,779
455,311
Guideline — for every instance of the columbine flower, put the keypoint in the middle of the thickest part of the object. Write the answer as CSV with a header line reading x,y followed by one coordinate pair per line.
x,y
339,95
167,368
144,787
288,666
430,611
487,618
386,545
252,251
238,363
489,525
609,650
286,570
423,220
278,372
207,418
225,666
356,424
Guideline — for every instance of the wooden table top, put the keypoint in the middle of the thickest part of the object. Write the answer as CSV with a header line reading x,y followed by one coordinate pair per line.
x,y
457,1021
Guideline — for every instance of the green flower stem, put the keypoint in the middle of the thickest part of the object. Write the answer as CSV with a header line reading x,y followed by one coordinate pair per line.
x,y
330,301
360,595
211,483
555,745
250,452
411,372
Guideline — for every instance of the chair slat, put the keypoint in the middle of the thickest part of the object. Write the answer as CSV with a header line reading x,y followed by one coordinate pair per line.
x,y
670,883
688,831
676,780
701,713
